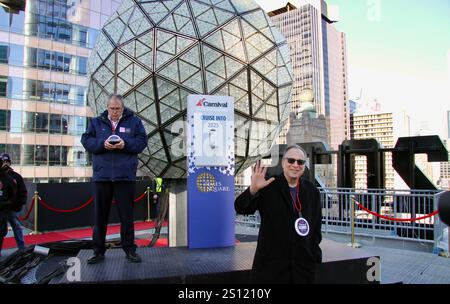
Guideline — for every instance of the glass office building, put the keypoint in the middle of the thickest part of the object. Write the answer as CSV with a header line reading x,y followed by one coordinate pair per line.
x,y
44,53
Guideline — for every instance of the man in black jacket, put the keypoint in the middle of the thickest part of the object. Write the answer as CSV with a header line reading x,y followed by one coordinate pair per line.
x,y
291,219
21,200
8,190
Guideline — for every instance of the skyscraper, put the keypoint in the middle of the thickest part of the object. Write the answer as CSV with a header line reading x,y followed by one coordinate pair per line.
x,y
444,167
44,50
448,124
318,55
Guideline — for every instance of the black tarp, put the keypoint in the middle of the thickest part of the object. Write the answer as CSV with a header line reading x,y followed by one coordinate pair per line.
x,y
66,196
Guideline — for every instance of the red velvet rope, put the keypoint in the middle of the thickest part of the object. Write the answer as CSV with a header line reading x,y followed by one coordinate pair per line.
x,y
27,215
43,203
393,218
140,197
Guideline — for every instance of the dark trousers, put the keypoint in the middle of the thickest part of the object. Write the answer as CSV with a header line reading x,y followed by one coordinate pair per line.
x,y
123,193
16,226
3,226
157,204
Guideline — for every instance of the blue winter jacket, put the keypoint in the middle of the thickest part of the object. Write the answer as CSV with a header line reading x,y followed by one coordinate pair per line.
x,y
115,165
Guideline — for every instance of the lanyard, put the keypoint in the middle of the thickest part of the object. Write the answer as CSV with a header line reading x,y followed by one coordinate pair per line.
x,y
297,203
114,125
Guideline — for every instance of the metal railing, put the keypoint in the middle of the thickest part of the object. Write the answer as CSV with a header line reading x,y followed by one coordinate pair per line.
x,y
246,220
398,210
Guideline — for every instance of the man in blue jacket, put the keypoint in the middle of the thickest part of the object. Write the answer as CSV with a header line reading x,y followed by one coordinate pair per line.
x,y
114,164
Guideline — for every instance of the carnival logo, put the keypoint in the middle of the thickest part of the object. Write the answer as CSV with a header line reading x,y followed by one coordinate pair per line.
x,y
200,103
206,182
203,103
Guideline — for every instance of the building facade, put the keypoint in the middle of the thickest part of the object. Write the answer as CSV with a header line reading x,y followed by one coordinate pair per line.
x,y
448,124
444,167
370,121
44,53
444,170
318,55
379,126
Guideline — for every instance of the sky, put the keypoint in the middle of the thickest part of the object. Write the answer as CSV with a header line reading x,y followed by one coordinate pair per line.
x,y
398,53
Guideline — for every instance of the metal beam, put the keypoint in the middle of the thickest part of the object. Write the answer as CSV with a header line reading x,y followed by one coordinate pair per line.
x,y
13,6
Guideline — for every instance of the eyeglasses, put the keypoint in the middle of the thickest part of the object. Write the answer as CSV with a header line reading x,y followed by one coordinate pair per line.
x,y
291,161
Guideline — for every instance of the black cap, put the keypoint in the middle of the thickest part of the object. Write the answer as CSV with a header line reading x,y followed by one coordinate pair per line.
x,y
6,158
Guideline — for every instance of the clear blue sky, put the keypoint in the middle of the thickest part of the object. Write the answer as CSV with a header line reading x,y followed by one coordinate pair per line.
x,y
402,58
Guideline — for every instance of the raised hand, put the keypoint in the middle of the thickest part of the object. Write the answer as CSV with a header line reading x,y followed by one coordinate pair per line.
x,y
259,178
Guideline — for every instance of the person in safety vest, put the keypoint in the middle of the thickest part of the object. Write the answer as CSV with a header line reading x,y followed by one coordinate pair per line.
x,y
157,193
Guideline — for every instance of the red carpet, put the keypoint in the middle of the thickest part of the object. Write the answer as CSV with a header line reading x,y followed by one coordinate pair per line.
x,y
57,236
159,243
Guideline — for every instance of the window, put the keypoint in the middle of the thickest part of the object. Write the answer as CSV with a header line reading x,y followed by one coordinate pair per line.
x,y
64,152
28,122
16,54
54,156
27,155
17,22
3,53
4,20
15,88
65,124
4,120
82,65
31,57
15,125
77,125
40,155
61,92
3,86
41,122
92,35
14,152
78,156
45,90
62,63
77,95
55,124
30,89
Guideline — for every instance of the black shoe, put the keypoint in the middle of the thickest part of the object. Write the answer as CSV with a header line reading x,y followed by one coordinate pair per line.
x,y
96,258
133,257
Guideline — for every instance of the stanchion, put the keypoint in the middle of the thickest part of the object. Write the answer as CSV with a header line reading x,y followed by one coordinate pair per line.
x,y
446,254
353,244
148,205
36,203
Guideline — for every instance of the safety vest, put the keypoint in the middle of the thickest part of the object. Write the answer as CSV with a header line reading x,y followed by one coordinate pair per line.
x,y
159,181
